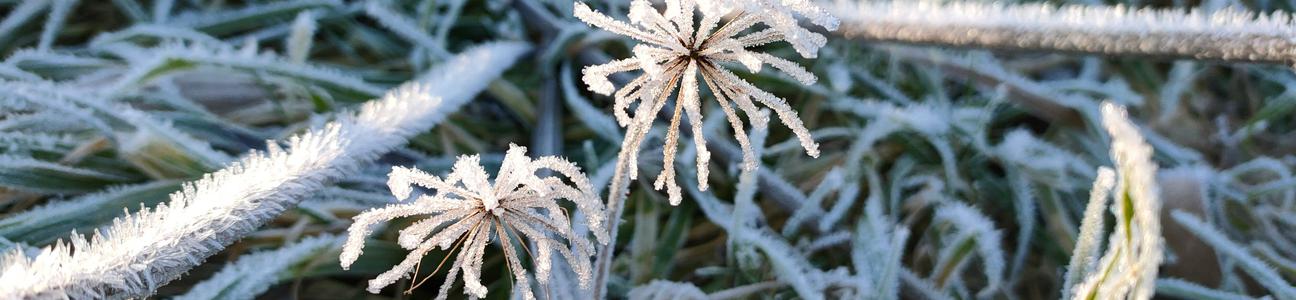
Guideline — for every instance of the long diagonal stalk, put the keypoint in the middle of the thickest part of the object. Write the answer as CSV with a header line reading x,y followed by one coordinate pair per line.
x,y
1224,35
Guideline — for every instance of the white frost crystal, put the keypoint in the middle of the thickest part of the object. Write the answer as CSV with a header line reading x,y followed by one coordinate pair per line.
x,y
467,211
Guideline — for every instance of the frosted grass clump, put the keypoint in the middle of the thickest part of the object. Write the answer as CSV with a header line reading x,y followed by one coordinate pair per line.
x,y
468,211
674,51
140,252
791,266
1042,160
1128,267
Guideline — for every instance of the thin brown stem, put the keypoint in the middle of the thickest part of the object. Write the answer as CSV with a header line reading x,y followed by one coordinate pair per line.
x,y
712,36
458,244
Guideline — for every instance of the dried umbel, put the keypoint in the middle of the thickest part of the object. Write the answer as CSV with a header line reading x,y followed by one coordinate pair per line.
x,y
674,52
467,211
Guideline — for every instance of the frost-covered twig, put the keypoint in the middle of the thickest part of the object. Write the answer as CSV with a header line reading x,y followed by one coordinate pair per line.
x,y
1227,35
138,253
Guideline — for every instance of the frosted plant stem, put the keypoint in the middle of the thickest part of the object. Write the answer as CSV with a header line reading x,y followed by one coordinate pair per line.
x,y
140,252
617,191
1225,35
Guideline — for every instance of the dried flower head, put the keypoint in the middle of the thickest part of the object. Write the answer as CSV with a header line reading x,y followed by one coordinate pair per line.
x,y
467,211
675,51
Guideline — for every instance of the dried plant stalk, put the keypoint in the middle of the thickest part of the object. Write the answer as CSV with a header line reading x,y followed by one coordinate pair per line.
x,y
1224,35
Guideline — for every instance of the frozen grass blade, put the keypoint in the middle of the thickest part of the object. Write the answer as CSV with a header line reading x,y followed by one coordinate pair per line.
x,y
18,16
162,10
973,233
149,64
38,176
253,274
1089,241
54,22
160,32
1259,270
299,40
1188,290
44,224
225,22
404,27
592,117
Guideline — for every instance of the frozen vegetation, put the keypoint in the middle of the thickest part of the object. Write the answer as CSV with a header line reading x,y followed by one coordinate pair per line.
x,y
637,149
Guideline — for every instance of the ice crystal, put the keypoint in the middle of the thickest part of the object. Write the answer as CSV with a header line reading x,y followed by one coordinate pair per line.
x,y
467,210
674,51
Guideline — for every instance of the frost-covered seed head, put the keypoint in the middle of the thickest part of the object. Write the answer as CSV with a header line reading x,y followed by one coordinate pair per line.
x,y
675,50
467,210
